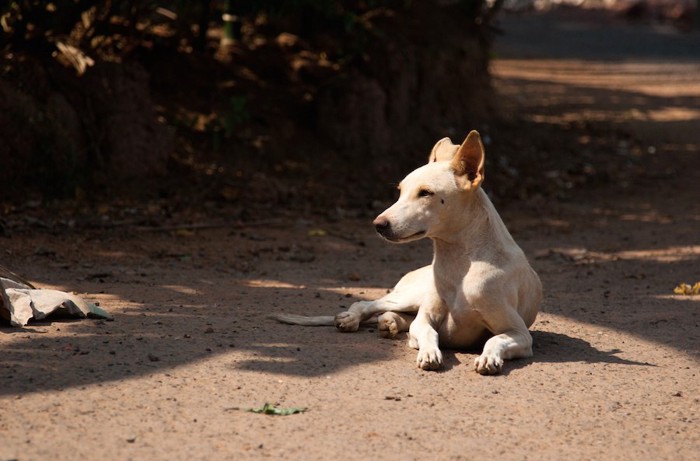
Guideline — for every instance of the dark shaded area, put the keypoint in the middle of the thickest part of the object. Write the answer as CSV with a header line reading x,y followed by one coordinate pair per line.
x,y
278,104
311,106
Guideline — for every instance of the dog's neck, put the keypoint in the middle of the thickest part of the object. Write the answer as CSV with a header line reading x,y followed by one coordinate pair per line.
x,y
479,234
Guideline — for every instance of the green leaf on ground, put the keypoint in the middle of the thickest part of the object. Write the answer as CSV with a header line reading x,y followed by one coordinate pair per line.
x,y
270,409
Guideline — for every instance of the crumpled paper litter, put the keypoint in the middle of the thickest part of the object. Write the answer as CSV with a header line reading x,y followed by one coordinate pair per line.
x,y
20,302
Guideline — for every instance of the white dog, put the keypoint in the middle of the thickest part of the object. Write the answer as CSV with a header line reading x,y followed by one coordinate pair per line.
x,y
480,284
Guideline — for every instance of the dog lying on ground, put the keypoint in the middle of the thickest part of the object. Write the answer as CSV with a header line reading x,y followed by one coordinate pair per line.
x,y
480,286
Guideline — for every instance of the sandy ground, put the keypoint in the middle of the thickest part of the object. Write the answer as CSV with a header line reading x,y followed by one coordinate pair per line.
x,y
615,373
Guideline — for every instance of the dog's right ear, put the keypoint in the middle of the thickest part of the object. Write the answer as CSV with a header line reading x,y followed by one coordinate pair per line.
x,y
442,151
468,162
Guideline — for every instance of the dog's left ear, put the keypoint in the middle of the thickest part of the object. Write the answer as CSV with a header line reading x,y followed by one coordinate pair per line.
x,y
468,162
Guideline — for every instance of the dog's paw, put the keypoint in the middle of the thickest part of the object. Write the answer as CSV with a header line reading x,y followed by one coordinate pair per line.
x,y
388,325
347,321
488,364
429,358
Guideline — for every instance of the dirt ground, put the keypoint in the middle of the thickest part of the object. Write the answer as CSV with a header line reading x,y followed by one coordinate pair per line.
x,y
615,367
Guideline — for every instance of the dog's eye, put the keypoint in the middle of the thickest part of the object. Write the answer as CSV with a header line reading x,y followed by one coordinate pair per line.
x,y
425,193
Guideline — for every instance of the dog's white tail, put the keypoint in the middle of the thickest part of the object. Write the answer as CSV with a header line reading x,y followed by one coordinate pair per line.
x,y
315,320
309,321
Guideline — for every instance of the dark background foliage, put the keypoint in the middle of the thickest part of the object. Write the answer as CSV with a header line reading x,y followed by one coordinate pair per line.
x,y
241,100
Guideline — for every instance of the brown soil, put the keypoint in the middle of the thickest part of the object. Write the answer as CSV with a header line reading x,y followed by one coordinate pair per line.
x,y
615,370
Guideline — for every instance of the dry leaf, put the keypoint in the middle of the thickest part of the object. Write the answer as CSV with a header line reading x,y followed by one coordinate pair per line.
x,y
688,290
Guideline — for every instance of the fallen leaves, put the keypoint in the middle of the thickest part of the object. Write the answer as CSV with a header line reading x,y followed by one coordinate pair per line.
x,y
688,290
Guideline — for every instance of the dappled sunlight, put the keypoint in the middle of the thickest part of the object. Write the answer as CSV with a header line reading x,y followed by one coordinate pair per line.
x,y
657,79
645,213
113,254
658,99
49,286
359,290
664,255
185,290
553,223
269,283
671,114
648,216
683,298
692,300
666,114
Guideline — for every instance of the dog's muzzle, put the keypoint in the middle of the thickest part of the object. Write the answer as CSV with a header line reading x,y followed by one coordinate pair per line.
x,y
383,227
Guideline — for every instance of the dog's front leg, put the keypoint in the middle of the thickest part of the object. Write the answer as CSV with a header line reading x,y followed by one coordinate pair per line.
x,y
423,336
514,342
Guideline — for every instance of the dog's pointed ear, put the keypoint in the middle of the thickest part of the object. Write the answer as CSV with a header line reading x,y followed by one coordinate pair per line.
x,y
468,162
442,151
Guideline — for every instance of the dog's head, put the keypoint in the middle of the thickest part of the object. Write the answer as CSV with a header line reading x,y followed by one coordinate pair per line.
x,y
431,196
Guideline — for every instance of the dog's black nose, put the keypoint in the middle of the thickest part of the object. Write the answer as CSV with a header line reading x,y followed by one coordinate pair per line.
x,y
382,225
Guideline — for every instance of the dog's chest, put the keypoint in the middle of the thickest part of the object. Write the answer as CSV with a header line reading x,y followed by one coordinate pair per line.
x,y
461,329
452,294
462,325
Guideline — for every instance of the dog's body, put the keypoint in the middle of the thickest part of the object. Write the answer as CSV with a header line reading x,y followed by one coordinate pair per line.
x,y
480,284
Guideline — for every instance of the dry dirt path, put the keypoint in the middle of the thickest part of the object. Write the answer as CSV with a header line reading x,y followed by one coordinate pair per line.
x,y
615,373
